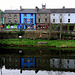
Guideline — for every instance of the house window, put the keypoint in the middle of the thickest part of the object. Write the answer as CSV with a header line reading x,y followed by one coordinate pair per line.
x,y
9,20
53,14
39,20
15,20
45,14
9,15
32,21
68,20
45,19
54,20
60,20
25,20
31,15
68,14
60,14
15,15
38,14
24,14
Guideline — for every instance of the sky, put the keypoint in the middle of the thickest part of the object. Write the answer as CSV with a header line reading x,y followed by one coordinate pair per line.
x,y
15,4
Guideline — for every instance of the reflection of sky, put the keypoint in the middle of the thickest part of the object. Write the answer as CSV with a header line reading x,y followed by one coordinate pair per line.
x,y
32,72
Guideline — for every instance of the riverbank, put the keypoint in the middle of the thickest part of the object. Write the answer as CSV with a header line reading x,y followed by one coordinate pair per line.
x,y
36,43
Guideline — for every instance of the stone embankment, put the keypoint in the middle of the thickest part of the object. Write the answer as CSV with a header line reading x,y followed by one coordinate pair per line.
x,y
28,34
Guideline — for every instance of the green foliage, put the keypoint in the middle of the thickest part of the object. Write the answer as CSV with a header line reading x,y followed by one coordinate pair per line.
x,y
57,43
20,33
67,35
3,33
9,33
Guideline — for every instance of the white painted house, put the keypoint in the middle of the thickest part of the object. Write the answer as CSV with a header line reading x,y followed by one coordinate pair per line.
x,y
62,16
65,16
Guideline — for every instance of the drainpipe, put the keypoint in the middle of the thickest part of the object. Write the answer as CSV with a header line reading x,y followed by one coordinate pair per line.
x,y
49,28
67,27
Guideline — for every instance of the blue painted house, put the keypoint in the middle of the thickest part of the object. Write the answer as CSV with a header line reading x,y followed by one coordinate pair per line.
x,y
27,62
28,18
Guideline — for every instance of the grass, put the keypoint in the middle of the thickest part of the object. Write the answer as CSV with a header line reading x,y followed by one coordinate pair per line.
x,y
57,43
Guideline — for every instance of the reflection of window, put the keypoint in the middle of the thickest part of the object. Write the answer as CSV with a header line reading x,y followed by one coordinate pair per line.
x,y
54,20
16,60
9,65
68,61
31,20
31,65
45,19
25,65
31,60
25,20
39,20
28,60
60,20
68,20
31,15
25,60
15,65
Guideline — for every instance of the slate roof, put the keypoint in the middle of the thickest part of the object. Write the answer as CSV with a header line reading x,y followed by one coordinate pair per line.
x,y
69,10
66,10
11,11
43,11
28,11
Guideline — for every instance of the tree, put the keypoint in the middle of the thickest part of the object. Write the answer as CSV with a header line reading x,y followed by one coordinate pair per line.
x,y
59,20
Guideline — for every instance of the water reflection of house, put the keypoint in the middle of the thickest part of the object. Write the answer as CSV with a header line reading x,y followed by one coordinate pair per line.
x,y
27,62
12,62
42,63
39,63
62,64
1,62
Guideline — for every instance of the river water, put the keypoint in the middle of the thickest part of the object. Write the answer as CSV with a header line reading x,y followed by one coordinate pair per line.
x,y
38,64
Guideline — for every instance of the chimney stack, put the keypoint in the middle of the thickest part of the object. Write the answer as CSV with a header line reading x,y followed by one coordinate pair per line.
x,y
63,7
20,7
43,6
37,9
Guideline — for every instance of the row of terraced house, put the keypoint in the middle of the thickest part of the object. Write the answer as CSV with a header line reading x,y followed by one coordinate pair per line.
x,y
39,18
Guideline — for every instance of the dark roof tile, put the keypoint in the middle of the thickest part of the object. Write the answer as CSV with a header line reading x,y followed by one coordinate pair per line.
x,y
69,10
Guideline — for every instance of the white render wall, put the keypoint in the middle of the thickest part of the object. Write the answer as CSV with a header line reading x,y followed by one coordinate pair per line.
x,y
64,17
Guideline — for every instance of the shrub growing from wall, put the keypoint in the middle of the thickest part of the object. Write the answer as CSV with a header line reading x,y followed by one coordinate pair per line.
x,y
20,33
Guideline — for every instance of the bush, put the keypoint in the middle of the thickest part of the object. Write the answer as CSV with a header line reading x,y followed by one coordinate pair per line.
x,y
58,34
20,33
52,38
